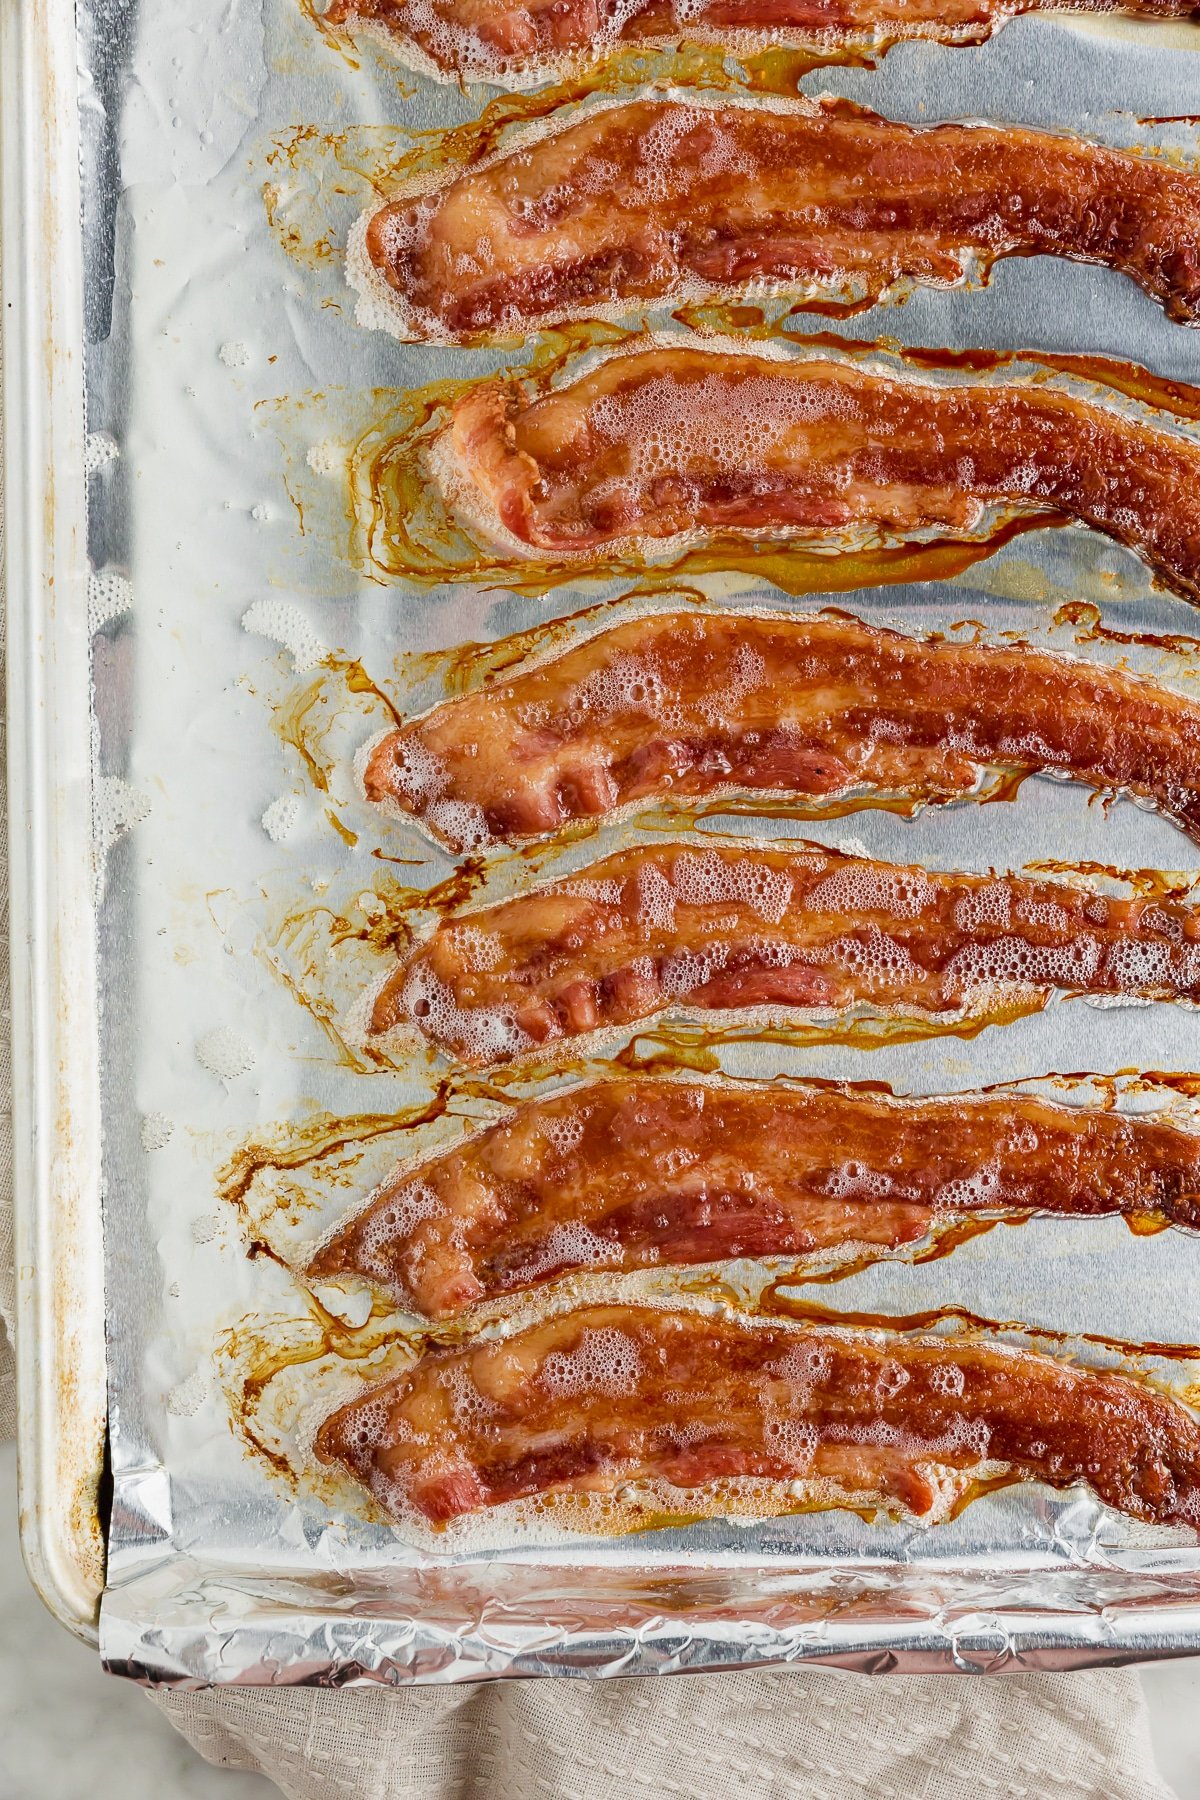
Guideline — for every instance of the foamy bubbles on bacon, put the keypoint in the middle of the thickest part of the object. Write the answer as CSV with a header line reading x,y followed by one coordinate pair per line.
x,y
865,887
875,954
988,904
607,1361
416,773
706,880
507,43
626,684
417,779
1142,966
855,1181
795,1441
394,1222
563,1132
461,823
483,1034
970,1192
664,426
1014,962
569,1245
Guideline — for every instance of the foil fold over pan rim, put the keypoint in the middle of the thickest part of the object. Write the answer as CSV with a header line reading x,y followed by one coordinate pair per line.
x,y
449,1629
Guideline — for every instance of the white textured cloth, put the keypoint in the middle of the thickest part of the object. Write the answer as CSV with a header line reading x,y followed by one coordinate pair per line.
x,y
804,1734
801,1734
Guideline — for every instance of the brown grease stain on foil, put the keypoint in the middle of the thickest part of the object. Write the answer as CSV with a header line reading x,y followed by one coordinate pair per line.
x,y
997,785
340,42
303,718
256,1352
348,837
665,1046
462,668
943,1239
776,1303
292,723
304,1146
1086,617
1151,884
316,949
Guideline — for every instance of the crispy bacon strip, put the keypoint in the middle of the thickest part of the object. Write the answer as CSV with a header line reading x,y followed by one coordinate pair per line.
x,y
488,39
628,1174
713,199
687,705
670,441
609,1394
664,925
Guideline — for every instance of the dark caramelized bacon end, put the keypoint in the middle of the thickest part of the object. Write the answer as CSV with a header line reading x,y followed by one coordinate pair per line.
x,y
670,442
629,1174
688,705
590,1400
490,39
665,926
716,199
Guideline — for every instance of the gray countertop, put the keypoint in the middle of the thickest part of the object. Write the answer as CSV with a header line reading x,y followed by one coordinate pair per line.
x,y
70,1732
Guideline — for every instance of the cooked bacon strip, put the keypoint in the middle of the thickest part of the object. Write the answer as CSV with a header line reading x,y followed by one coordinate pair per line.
x,y
661,442
488,39
664,925
610,1394
713,199
629,1174
687,705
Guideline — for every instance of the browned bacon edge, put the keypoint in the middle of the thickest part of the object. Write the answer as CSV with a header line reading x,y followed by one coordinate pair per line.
x,y
678,443
590,1400
718,197
684,706
632,1174
743,928
520,41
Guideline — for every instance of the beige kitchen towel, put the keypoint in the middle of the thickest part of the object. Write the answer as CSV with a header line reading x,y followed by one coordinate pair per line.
x,y
804,1734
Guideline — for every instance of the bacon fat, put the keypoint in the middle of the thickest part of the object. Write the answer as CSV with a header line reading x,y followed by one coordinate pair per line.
x,y
688,705
742,928
490,39
673,442
630,1174
590,1400
715,199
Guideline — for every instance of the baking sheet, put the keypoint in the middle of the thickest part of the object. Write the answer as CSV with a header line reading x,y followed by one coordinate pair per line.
x,y
244,890
55,1124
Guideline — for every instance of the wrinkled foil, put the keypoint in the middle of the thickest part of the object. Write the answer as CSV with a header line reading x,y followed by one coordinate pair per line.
x,y
226,379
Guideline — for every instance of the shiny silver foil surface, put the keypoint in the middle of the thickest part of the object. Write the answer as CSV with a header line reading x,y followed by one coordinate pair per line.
x,y
239,871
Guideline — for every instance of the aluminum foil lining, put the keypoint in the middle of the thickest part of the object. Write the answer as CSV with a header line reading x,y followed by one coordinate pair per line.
x,y
242,640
